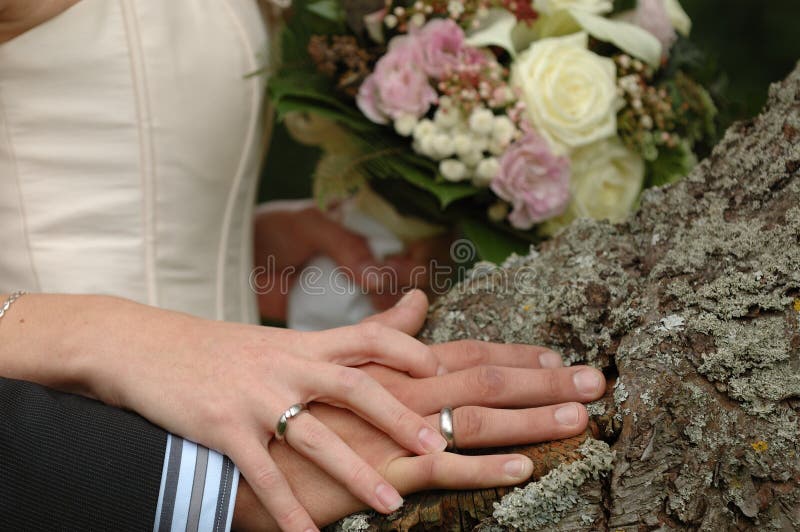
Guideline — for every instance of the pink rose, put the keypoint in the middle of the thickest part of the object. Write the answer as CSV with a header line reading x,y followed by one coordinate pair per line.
x,y
442,43
652,16
399,86
534,180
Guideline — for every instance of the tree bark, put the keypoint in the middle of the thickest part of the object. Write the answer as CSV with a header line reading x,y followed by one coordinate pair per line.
x,y
693,308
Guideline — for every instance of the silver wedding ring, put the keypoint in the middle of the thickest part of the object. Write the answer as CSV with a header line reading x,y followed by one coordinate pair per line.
x,y
446,427
283,421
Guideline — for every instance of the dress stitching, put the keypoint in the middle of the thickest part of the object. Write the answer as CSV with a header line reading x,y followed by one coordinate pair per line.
x,y
22,211
146,147
243,161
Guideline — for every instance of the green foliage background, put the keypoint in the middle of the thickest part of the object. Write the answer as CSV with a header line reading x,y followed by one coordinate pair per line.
x,y
754,42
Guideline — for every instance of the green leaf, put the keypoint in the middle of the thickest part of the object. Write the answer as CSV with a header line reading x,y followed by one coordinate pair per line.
x,y
425,178
328,10
671,165
492,243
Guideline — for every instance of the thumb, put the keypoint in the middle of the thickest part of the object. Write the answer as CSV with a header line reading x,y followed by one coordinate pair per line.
x,y
407,315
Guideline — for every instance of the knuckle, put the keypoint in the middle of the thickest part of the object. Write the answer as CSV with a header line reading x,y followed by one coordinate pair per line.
x,y
490,381
429,469
404,418
470,421
268,479
360,475
351,379
371,332
473,352
291,517
552,384
314,439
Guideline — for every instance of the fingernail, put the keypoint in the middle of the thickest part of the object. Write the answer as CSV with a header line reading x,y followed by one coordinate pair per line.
x,y
567,415
518,468
389,497
587,381
431,441
405,299
550,360
441,371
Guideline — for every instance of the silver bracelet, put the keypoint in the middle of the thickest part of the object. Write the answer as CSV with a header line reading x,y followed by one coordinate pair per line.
x,y
13,297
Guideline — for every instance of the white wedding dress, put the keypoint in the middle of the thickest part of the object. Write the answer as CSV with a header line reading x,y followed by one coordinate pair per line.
x,y
130,143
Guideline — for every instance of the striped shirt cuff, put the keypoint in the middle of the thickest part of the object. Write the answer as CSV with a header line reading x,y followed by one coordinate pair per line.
x,y
198,489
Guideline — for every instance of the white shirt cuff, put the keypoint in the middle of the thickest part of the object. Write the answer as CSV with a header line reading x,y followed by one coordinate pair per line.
x,y
198,489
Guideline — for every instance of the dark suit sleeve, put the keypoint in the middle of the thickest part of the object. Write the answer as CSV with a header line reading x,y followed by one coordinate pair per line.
x,y
70,463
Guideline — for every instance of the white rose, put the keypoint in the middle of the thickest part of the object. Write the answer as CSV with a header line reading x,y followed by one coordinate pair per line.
x,y
570,92
606,181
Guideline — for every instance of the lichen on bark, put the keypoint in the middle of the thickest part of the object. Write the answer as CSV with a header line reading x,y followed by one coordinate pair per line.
x,y
693,308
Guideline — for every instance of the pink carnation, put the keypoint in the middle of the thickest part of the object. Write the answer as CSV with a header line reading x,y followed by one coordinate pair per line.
x,y
442,43
652,16
399,86
534,180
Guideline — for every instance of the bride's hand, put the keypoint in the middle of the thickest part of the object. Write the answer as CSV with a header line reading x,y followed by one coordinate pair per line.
x,y
226,385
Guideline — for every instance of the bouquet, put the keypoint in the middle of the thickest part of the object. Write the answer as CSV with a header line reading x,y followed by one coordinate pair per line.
x,y
504,118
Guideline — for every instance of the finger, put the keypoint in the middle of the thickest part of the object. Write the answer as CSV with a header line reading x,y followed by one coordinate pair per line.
x,y
408,315
501,387
465,354
311,438
272,489
372,342
476,427
455,471
353,389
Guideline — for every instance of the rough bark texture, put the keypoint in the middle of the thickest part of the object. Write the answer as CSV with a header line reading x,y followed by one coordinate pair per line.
x,y
693,307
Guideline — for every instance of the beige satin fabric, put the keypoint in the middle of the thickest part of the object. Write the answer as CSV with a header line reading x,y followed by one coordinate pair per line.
x,y
130,146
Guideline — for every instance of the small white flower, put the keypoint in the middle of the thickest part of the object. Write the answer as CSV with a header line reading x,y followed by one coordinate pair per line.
x,y
647,122
447,118
443,145
486,171
405,125
390,21
497,148
462,143
503,130
472,159
418,20
424,128
453,170
481,121
455,8
480,143
498,211
426,145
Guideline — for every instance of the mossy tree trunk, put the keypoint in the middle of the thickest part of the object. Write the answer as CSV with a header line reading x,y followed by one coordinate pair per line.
x,y
693,309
